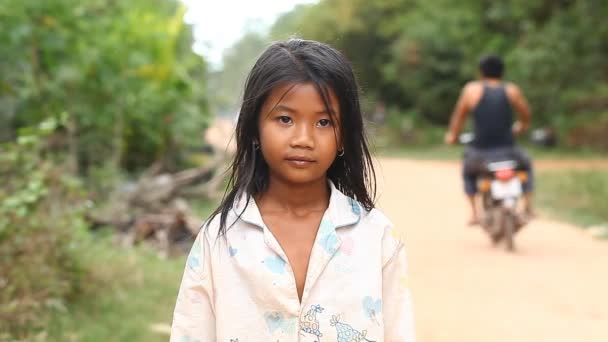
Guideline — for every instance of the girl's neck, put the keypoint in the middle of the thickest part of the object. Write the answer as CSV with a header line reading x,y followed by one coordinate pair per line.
x,y
283,196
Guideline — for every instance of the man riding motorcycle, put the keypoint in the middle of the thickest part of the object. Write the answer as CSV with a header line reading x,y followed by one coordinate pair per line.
x,y
492,102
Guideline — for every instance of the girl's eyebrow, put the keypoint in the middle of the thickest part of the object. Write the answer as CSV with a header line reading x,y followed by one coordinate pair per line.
x,y
282,107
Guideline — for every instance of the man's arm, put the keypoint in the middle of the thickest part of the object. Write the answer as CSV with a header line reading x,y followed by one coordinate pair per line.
x,y
459,116
520,104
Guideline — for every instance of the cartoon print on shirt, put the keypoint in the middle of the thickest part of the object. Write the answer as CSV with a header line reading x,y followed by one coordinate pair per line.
x,y
310,323
327,236
276,321
275,264
346,333
372,308
193,260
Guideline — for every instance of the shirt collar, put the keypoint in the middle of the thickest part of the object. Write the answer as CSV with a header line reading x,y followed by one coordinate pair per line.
x,y
342,210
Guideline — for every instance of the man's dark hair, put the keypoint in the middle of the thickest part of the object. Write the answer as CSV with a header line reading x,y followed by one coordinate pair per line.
x,y
491,66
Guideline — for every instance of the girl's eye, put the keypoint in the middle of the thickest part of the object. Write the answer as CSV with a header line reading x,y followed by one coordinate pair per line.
x,y
324,122
285,119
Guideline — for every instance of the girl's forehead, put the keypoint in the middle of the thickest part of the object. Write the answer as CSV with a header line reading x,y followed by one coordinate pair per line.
x,y
301,96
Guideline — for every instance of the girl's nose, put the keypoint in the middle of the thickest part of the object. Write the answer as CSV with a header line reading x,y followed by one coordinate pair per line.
x,y
303,137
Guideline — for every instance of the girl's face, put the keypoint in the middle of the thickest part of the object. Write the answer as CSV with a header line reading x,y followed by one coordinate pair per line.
x,y
297,135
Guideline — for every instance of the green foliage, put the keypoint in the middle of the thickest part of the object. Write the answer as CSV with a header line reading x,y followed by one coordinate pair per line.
x,y
416,55
578,196
41,226
562,64
51,266
134,290
92,88
363,30
123,71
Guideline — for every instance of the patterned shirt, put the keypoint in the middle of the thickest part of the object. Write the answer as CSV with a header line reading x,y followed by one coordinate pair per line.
x,y
241,288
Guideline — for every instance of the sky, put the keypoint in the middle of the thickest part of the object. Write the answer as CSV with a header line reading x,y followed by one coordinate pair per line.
x,y
219,24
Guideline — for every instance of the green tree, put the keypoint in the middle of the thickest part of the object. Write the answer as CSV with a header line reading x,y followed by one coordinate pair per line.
x,y
123,71
415,55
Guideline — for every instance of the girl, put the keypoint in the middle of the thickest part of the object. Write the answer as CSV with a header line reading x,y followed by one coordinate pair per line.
x,y
296,250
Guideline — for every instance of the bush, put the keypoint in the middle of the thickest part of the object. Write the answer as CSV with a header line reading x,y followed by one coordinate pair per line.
x,y
41,230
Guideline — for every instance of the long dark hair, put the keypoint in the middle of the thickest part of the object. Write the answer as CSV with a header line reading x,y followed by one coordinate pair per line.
x,y
292,62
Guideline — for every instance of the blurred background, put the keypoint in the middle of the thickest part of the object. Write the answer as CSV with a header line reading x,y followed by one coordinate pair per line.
x,y
115,126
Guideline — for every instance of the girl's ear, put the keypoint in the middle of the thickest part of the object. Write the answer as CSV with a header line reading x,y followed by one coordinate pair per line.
x,y
339,138
340,145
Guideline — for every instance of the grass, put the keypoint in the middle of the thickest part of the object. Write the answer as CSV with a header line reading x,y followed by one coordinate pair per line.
x,y
580,197
203,207
443,152
133,289
130,291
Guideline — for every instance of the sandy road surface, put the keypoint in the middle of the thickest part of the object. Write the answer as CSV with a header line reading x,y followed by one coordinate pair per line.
x,y
555,288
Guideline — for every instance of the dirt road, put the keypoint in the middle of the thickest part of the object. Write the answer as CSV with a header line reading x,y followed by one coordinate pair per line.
x,y
555,288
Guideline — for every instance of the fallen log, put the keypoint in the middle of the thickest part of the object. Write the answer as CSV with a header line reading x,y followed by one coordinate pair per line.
x,y
154,208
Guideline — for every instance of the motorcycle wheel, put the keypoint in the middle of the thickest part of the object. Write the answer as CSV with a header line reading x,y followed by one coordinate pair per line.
x,y
509,231
495,229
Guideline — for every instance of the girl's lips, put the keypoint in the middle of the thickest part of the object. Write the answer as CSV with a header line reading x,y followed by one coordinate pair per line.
x,y
300,161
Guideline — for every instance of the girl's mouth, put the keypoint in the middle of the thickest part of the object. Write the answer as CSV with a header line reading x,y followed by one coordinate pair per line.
x,y
300,162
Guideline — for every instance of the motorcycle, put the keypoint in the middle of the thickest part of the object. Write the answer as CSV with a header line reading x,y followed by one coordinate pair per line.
x,y
500,184
501,188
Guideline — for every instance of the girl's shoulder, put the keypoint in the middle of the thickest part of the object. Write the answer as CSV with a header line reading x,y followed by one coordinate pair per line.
x,y
384,232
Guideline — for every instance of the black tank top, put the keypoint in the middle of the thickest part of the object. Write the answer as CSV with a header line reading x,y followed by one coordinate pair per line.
x,y
493,119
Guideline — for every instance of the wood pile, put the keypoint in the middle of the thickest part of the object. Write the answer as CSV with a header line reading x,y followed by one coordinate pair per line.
x,y
155,209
